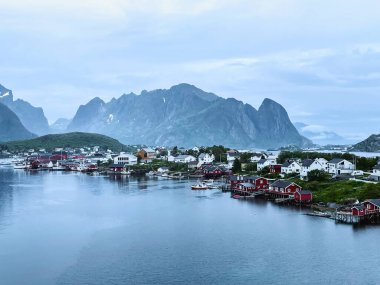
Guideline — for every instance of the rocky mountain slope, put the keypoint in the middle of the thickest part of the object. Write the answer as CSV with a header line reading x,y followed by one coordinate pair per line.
x,y
11,127
31,117
371,144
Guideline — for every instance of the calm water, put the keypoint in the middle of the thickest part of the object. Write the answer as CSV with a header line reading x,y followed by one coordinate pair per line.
x,y
58,228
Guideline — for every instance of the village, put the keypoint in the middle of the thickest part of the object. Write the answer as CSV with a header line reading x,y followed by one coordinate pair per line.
x,y
276,176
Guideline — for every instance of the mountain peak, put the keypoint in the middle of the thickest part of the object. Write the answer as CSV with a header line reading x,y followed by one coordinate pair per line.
x,y
269,103
96,100
187,89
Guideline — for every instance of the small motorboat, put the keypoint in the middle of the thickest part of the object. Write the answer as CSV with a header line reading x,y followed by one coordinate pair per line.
x,y
199,186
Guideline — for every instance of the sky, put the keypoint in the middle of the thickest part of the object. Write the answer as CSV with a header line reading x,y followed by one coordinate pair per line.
x,y
320,59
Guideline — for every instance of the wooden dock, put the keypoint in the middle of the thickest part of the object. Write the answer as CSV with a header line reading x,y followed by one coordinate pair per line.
x,y
284,200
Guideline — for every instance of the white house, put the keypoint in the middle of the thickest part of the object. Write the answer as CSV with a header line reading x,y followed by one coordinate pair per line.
x,y
262,163
205,158
125,159
376,170
183,158
375,176
323,162
310,165
257,156
338,166
231,156
289,167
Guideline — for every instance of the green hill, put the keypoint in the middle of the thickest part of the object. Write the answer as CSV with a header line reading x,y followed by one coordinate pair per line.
x,y
73,140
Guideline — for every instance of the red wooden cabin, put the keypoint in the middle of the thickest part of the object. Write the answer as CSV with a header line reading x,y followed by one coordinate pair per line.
x,y
284,186
303,196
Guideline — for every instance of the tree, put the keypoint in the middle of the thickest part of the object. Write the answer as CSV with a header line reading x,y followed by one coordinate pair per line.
x,y
251,166
174,151
236,167
318,175
245,157
264,171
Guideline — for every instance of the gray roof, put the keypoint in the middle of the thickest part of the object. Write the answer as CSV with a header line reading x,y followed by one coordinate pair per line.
x,y
247,184
233,154
116,165
306,192
307,162
281,183
375,201
262,160
181,156
377,167
253,177
336,160
202,155
286,164
359,207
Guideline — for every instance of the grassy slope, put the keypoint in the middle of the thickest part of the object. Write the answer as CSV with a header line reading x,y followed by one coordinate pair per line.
x,y
338,191
74,140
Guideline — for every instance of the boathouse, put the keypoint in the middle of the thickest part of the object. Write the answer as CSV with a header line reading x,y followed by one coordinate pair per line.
x,y
358,210
234,181
303,196
284,186
259,182
372,206
116,168
247,186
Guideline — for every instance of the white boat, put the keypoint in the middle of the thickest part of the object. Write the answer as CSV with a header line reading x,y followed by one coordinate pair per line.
x,y
5,162
199,186
20,166
58,168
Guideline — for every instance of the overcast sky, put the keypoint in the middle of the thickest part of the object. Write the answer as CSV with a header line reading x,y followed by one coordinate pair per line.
x,y
319,58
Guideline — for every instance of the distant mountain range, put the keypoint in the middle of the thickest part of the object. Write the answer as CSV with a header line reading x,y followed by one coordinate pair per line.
x,y
31,117
319,135
371,144
59,126
185,115
11,127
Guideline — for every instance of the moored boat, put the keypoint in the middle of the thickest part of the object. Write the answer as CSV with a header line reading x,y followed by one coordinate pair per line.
x,y
199,186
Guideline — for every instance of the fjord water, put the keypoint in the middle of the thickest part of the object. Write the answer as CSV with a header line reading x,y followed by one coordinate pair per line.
x,y
67,228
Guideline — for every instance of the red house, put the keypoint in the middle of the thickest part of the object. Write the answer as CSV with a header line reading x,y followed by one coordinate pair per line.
x,y
213,171
234,181
358,210
275,168
371,206
116,168
303,196
259,182
284,186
